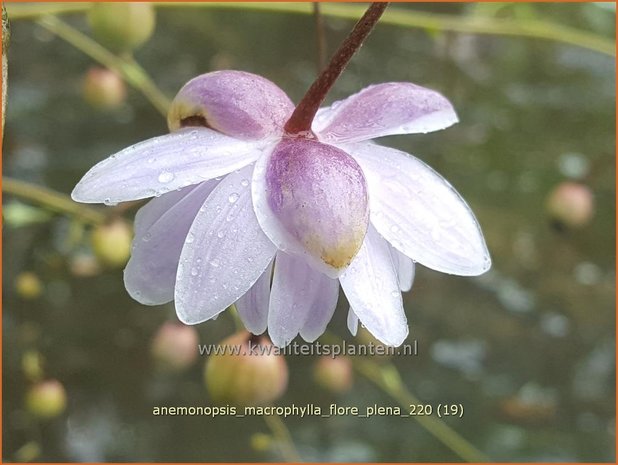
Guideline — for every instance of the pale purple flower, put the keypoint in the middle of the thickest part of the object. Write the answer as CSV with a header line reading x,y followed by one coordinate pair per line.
x,y
235,198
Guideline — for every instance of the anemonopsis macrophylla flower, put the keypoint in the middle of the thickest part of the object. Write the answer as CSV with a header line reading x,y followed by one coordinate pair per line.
x,y
237,200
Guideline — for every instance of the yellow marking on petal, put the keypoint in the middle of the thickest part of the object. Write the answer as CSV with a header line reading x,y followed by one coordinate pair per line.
x,y
182,110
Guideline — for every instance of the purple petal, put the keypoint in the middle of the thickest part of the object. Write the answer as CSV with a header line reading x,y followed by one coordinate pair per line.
x,y
352,322
371,286
383,110
419,212
236,103
311,201
161,227
294,297
225,252
163,164
253,306
405,269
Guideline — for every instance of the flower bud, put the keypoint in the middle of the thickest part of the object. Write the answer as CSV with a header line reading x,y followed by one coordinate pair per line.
x,y
174,346
32,365
122,27
317,194
235,103
84,265
570,204
111,243
104,89
28,285
46,399
248,373
334,374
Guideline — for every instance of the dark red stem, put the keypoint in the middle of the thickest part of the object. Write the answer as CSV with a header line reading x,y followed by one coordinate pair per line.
x,y
303,115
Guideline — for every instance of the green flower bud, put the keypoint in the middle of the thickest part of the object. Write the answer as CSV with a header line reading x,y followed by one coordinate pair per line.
x,y
252,376
28,285
32,365
104,89
334,374
570,204
46,399
111,243
122,27
174,346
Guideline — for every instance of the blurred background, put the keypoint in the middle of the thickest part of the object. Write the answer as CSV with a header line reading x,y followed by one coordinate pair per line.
x,y
528,349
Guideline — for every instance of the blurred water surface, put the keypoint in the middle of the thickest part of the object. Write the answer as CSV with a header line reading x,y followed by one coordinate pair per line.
x,y
528,348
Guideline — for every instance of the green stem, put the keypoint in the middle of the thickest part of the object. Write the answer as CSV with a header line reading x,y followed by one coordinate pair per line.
x,y
387,378
52,200
132,72
284,438
530,28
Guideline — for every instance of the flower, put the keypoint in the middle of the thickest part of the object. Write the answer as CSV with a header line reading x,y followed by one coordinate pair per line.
x,y
236,197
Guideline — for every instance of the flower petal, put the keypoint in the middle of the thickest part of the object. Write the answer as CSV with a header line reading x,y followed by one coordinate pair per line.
x,y
161,227
322,309
253,306
311,200
371,286
419,212
293,298
236,103
224,254
383,110
352,322
163,164
405,269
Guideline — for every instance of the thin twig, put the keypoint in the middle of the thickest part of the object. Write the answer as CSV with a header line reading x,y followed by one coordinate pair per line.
x,y
387,378
52,200
530,28
133,73
284,438
320,37
305,111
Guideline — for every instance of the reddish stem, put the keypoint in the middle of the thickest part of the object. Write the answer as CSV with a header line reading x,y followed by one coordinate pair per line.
x,y
303,115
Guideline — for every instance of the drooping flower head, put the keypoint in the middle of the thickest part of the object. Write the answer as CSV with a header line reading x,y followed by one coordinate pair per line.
x,y
239,202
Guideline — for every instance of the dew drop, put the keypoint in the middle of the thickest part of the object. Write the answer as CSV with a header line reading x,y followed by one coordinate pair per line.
x,y
166,176
220,234
244,182
190,238
194,271
214,263
233,197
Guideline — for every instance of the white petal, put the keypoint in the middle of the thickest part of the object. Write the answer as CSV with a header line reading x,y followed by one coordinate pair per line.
x,y
161,227
165,163
253,306
405,269
225,252
382,110
420,213
322,310
352,322
371,286
293,296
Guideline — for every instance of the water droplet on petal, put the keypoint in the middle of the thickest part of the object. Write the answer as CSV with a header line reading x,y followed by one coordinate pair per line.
x,y
233,197
166,176
190,238
194,271
214,263
244,182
